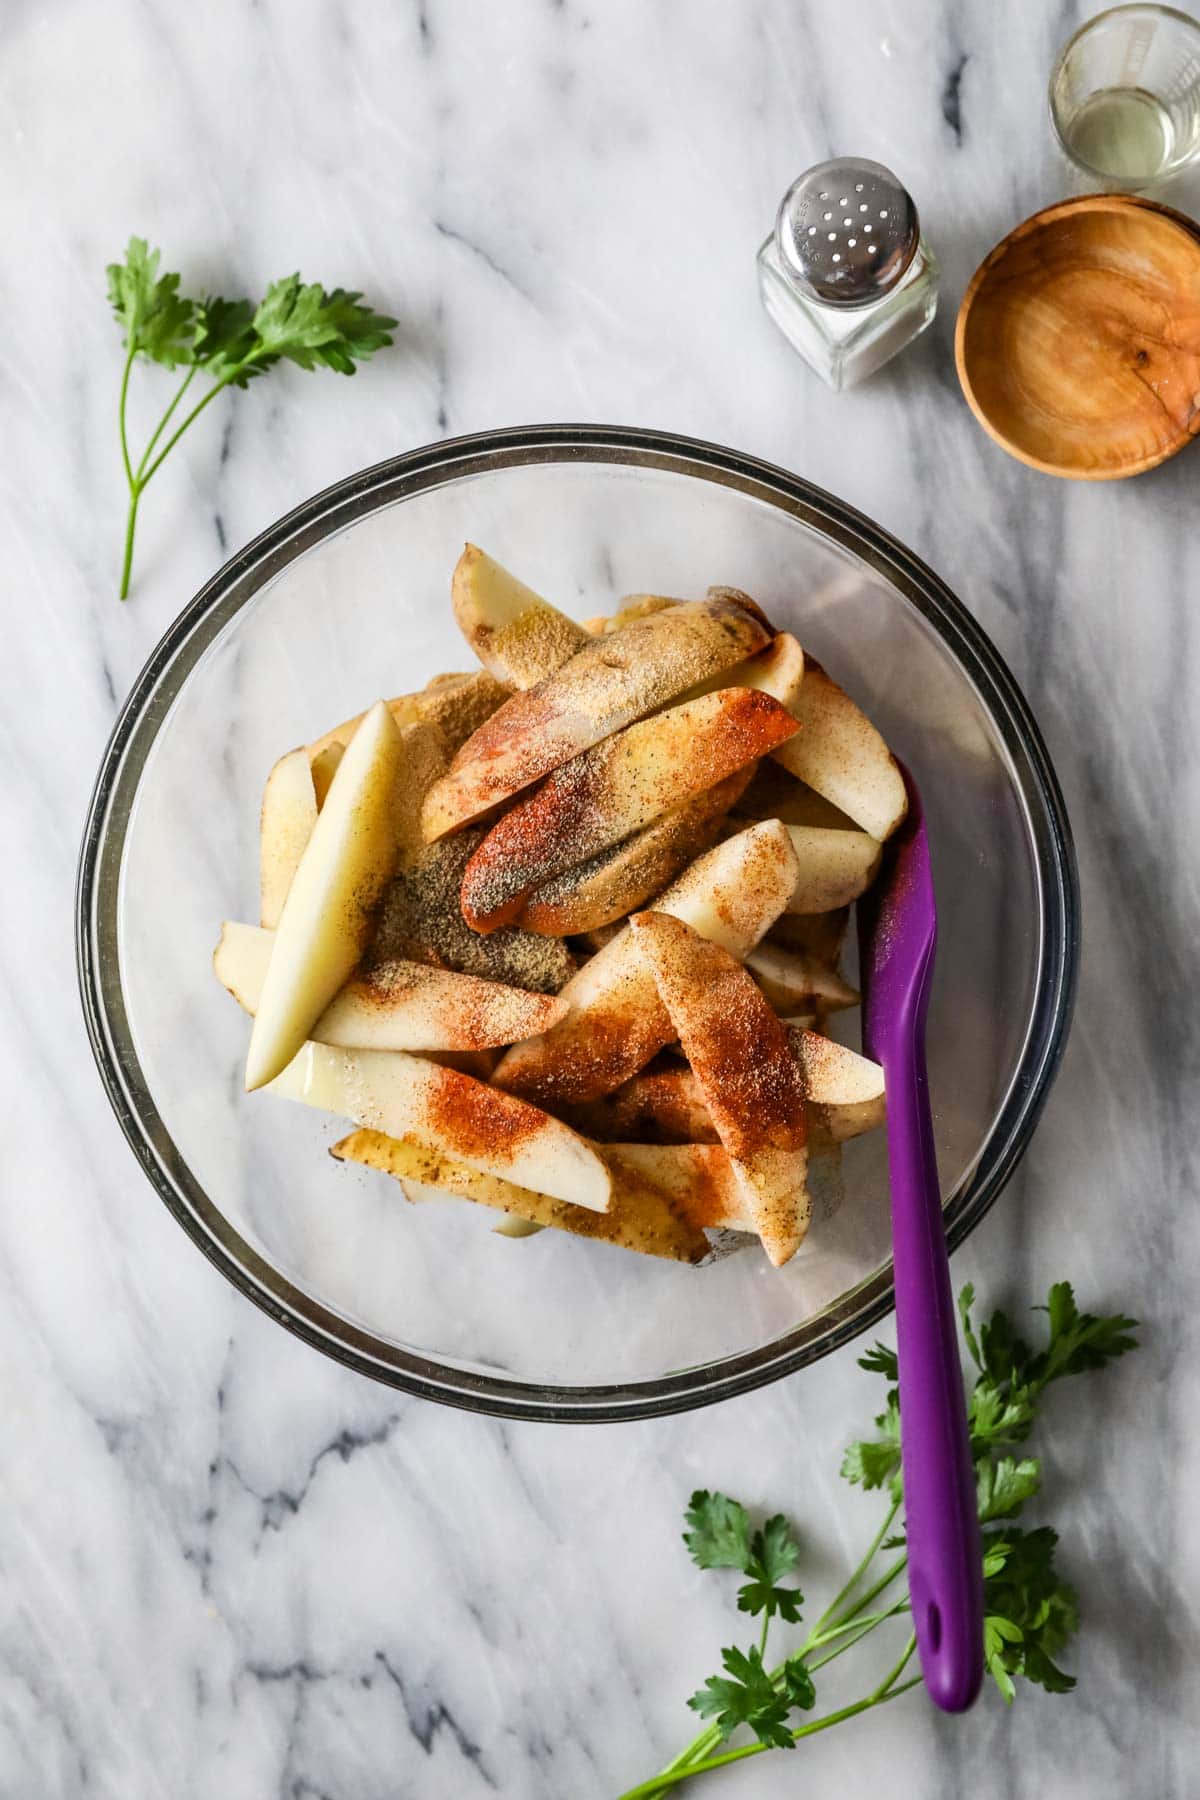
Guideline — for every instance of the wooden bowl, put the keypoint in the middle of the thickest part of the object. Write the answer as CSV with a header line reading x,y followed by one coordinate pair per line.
x,y
1078,339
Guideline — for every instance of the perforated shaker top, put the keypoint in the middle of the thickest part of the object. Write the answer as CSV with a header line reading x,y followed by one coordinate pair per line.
x,y
847,230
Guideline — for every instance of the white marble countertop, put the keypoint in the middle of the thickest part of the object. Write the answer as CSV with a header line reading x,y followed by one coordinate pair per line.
x,y
229,1567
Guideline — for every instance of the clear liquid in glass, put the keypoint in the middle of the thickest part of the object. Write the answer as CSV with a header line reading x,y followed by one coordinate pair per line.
x,y
1123,132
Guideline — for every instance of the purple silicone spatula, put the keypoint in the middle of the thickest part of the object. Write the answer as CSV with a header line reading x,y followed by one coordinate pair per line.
x,y
897,927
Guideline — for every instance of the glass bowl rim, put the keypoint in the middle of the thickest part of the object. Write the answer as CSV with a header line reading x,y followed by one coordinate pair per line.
x,y
170,666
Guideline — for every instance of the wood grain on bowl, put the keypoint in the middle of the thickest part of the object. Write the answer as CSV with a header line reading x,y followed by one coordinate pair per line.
x,y
1078,339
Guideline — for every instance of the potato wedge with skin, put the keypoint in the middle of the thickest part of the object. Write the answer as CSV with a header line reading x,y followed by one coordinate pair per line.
x,y
326,918
609,886
640,1215
751,1083
409,1096
840,754
794,982
609,684
845,1090
613,790
617,1022
740,597
774,794
289,812
398,1005
519,637
458,705
633,606
835,867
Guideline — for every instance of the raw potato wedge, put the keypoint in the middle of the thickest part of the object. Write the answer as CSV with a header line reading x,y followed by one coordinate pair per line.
x,y
820,935
425,754
609,886
840,754
845,1090
616,788
420,920
617,1022
826,1185
752,1084
835,867
774,794
739,597
398,1005
778,671
519,637
641,1215
326,918
609,684
794,982
324,768
700,1180
408,1096
633,606
289,812
458,705
297,789
659,1106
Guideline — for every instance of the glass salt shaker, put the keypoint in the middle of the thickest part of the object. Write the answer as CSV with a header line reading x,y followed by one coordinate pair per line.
x,y
846,274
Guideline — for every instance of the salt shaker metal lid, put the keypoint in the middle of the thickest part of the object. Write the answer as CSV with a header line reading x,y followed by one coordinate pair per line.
x,y
847,231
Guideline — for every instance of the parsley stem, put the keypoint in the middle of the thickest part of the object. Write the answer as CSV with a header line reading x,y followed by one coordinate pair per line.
x,y
121,419
199,407
857,1624
180,391
851,1628
889,1681
135,494
840,1598
659,1784
873,1592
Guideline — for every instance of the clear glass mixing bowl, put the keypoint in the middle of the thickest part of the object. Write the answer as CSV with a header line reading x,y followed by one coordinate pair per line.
x,y
347,598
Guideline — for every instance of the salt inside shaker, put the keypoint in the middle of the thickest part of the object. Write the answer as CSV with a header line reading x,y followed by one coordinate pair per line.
x,y
846,274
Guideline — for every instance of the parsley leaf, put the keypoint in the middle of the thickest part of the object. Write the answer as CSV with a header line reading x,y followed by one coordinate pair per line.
x,y
879,1360
155,318
224,333
230,341
799,1683
773,1553
310,326
1079,1341
720,1534
874,1461
1031,1614
1002,1486
750,1698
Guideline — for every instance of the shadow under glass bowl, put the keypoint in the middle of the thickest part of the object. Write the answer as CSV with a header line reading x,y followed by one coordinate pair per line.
x,y
347,598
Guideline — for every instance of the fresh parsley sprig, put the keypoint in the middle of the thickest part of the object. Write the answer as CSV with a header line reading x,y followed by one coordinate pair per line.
x,y
1031,1613
230,342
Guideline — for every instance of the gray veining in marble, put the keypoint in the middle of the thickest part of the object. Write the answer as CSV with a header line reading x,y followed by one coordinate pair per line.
x,y
228,1567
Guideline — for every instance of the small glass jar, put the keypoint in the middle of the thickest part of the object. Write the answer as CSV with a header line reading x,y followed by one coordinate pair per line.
x,y
846,274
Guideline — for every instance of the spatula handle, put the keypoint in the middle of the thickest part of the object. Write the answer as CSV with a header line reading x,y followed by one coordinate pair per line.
x,y
941,1519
